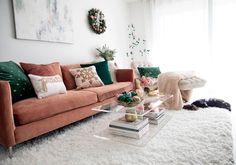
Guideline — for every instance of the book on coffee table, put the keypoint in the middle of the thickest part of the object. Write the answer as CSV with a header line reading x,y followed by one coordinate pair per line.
x,y
157,120
155,113
122,123
155,116
130,133
135,129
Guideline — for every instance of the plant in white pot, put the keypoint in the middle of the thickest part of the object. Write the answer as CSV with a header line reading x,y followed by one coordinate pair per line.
x,y
106,53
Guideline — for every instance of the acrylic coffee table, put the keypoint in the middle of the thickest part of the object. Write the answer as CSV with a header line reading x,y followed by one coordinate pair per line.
x,y
114,111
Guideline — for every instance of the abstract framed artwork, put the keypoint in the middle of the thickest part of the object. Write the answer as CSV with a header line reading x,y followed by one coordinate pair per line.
x,y
43,20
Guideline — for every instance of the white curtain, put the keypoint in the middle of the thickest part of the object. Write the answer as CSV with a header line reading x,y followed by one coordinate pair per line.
x,y
197,35
223,49
177,33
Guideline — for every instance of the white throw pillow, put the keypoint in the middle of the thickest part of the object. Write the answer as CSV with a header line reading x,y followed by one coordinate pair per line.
x,y
45,86
112,69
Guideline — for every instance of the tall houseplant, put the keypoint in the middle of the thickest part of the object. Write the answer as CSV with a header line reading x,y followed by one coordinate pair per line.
x,y
137,45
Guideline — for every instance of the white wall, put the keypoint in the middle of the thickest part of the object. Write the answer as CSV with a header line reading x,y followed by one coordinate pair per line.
x,y
85,41
137,19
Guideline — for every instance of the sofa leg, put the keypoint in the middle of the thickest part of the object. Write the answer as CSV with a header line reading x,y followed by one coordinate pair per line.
x,y
10,152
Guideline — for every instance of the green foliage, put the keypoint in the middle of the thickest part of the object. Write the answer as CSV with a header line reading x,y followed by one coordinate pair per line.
x,y
133,93
127,97
97,21
136,45
106,53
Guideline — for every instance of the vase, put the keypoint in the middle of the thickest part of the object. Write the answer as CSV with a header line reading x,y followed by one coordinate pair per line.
x,y
131,114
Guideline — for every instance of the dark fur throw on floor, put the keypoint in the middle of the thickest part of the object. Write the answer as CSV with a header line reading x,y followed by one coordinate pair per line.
x,y
212,102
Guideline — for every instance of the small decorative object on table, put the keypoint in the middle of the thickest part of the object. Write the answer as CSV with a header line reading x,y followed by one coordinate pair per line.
x,y
140,92
153,93
156,116
131,115
130,100
149,85
146,86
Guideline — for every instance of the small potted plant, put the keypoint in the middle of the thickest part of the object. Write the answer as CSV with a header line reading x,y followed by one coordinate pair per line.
x,y
106,53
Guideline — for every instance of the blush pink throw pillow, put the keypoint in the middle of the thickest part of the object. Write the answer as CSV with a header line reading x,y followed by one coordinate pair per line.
x,y
42,69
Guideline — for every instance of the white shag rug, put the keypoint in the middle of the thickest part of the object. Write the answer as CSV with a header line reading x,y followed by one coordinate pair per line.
x,y
200,137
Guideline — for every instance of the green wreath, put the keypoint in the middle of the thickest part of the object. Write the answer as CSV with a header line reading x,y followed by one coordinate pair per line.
x,y
96,21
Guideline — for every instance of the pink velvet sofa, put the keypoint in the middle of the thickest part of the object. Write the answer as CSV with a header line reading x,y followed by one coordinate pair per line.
x,y
33,117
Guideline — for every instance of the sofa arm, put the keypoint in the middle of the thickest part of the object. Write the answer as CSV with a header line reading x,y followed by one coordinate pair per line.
x,y
7,125
124,75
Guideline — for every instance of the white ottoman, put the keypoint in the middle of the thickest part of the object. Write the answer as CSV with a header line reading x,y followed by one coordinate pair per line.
x,y
180,85
190,83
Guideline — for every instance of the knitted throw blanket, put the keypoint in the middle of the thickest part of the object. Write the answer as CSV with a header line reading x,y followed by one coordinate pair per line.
x,y
168,83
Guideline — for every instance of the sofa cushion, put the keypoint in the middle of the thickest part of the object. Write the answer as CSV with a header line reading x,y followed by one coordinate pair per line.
x,y
33,109
149,71
109,91
21,87
42,69
86,77
68,79
45,86
102,70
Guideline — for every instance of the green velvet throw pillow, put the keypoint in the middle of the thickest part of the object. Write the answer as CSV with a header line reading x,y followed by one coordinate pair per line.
x,y
21,87
149,71
102,71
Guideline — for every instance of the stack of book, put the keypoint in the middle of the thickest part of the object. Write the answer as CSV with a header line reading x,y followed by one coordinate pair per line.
x,y
155,116
134,129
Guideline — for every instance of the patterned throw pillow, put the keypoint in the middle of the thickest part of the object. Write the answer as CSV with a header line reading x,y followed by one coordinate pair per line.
x,y
21,88
45,86
102,70
68,78
149,71
86,77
